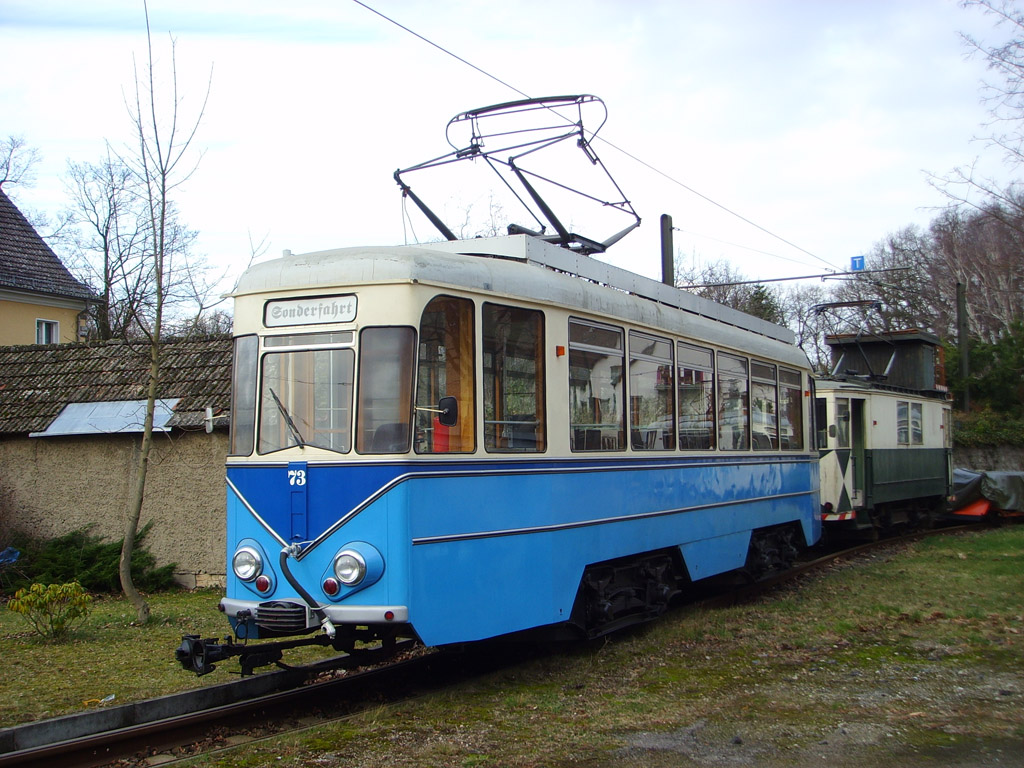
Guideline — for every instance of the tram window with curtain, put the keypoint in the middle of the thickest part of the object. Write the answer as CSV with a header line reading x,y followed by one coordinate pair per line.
x,y
596,387
513,358
791,410
733,403
651,393
385,390
696,398
445,370
764,407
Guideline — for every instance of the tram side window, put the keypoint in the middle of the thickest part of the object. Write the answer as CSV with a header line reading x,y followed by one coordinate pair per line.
x,y
696,398
821,422
733,403
306,399
909,423
791,410
842,422
385,390
651,395
513,357
445,370
596,387
243,395
764,410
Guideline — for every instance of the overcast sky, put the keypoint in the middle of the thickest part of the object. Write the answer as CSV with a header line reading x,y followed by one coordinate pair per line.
x,y
816,120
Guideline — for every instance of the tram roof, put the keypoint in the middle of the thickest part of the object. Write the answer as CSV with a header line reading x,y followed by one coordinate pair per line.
x,y
553,275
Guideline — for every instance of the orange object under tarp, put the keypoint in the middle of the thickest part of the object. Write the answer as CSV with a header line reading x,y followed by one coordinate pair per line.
x,y
978,508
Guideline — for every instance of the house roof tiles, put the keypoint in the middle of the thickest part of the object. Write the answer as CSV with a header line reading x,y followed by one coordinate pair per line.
x,y
27,263
37,381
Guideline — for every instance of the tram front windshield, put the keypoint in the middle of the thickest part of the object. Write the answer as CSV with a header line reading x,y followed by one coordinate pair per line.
x,y
306,397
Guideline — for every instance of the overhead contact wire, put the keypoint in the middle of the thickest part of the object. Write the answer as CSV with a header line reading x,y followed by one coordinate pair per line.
x,y
633,157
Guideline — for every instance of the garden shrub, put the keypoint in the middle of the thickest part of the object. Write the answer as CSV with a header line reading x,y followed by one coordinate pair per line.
x,y
987,428
53,610
89,560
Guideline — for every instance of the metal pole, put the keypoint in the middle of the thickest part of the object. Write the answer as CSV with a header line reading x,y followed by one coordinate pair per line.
x,y
668,265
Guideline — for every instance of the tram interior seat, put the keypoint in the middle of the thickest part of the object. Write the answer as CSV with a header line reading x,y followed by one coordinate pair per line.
x,y
586,440
641,440
522,433
390,438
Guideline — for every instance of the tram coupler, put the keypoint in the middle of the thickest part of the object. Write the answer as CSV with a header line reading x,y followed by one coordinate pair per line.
x,y
199,655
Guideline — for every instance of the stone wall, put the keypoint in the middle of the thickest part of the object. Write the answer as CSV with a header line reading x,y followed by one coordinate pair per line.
x,y
989,459
51,486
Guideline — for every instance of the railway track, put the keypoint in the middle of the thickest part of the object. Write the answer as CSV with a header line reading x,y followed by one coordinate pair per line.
x,y
206,720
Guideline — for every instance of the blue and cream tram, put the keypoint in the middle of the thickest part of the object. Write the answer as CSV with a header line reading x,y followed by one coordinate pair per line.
x,y
475,438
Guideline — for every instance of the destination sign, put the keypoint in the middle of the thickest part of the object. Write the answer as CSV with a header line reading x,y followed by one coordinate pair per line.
x,y
309,311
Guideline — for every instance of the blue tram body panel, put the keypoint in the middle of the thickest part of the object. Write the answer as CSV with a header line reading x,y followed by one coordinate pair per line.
x,y
473,439
476,549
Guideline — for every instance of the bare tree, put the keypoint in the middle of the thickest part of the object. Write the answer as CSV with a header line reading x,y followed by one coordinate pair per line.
x,y
159,161
722,283
799,303
983,250
1003,94
17,161
901,297
111,242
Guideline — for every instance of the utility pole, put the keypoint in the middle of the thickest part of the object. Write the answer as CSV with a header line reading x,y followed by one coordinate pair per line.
x,y
668,264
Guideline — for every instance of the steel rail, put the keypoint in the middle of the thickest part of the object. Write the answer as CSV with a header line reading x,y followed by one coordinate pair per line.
x,y
102,736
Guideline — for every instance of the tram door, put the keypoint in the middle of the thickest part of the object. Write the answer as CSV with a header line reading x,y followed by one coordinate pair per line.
x,y
850,440
857,457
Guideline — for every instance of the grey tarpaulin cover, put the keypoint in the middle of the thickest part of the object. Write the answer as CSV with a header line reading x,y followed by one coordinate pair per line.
x,y
1004,489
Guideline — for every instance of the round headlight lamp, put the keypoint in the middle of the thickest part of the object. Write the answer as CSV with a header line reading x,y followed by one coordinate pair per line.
x,y
349,567
247,563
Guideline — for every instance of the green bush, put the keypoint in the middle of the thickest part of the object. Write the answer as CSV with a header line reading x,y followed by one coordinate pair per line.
x,y
987,428
53,610
89,560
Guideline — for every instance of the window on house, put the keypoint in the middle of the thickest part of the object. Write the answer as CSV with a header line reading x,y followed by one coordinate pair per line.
x,y
47,332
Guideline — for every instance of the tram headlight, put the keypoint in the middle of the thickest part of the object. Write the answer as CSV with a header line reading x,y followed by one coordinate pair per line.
x,y
349,567
247,563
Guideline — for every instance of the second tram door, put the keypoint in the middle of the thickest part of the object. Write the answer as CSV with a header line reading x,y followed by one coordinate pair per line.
x,y
850,416
861,470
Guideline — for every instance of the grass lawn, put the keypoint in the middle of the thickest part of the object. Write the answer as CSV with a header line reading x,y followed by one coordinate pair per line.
x,y
900,659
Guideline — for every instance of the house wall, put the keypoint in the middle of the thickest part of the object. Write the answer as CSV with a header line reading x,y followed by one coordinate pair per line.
x,y
18,321
51,486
